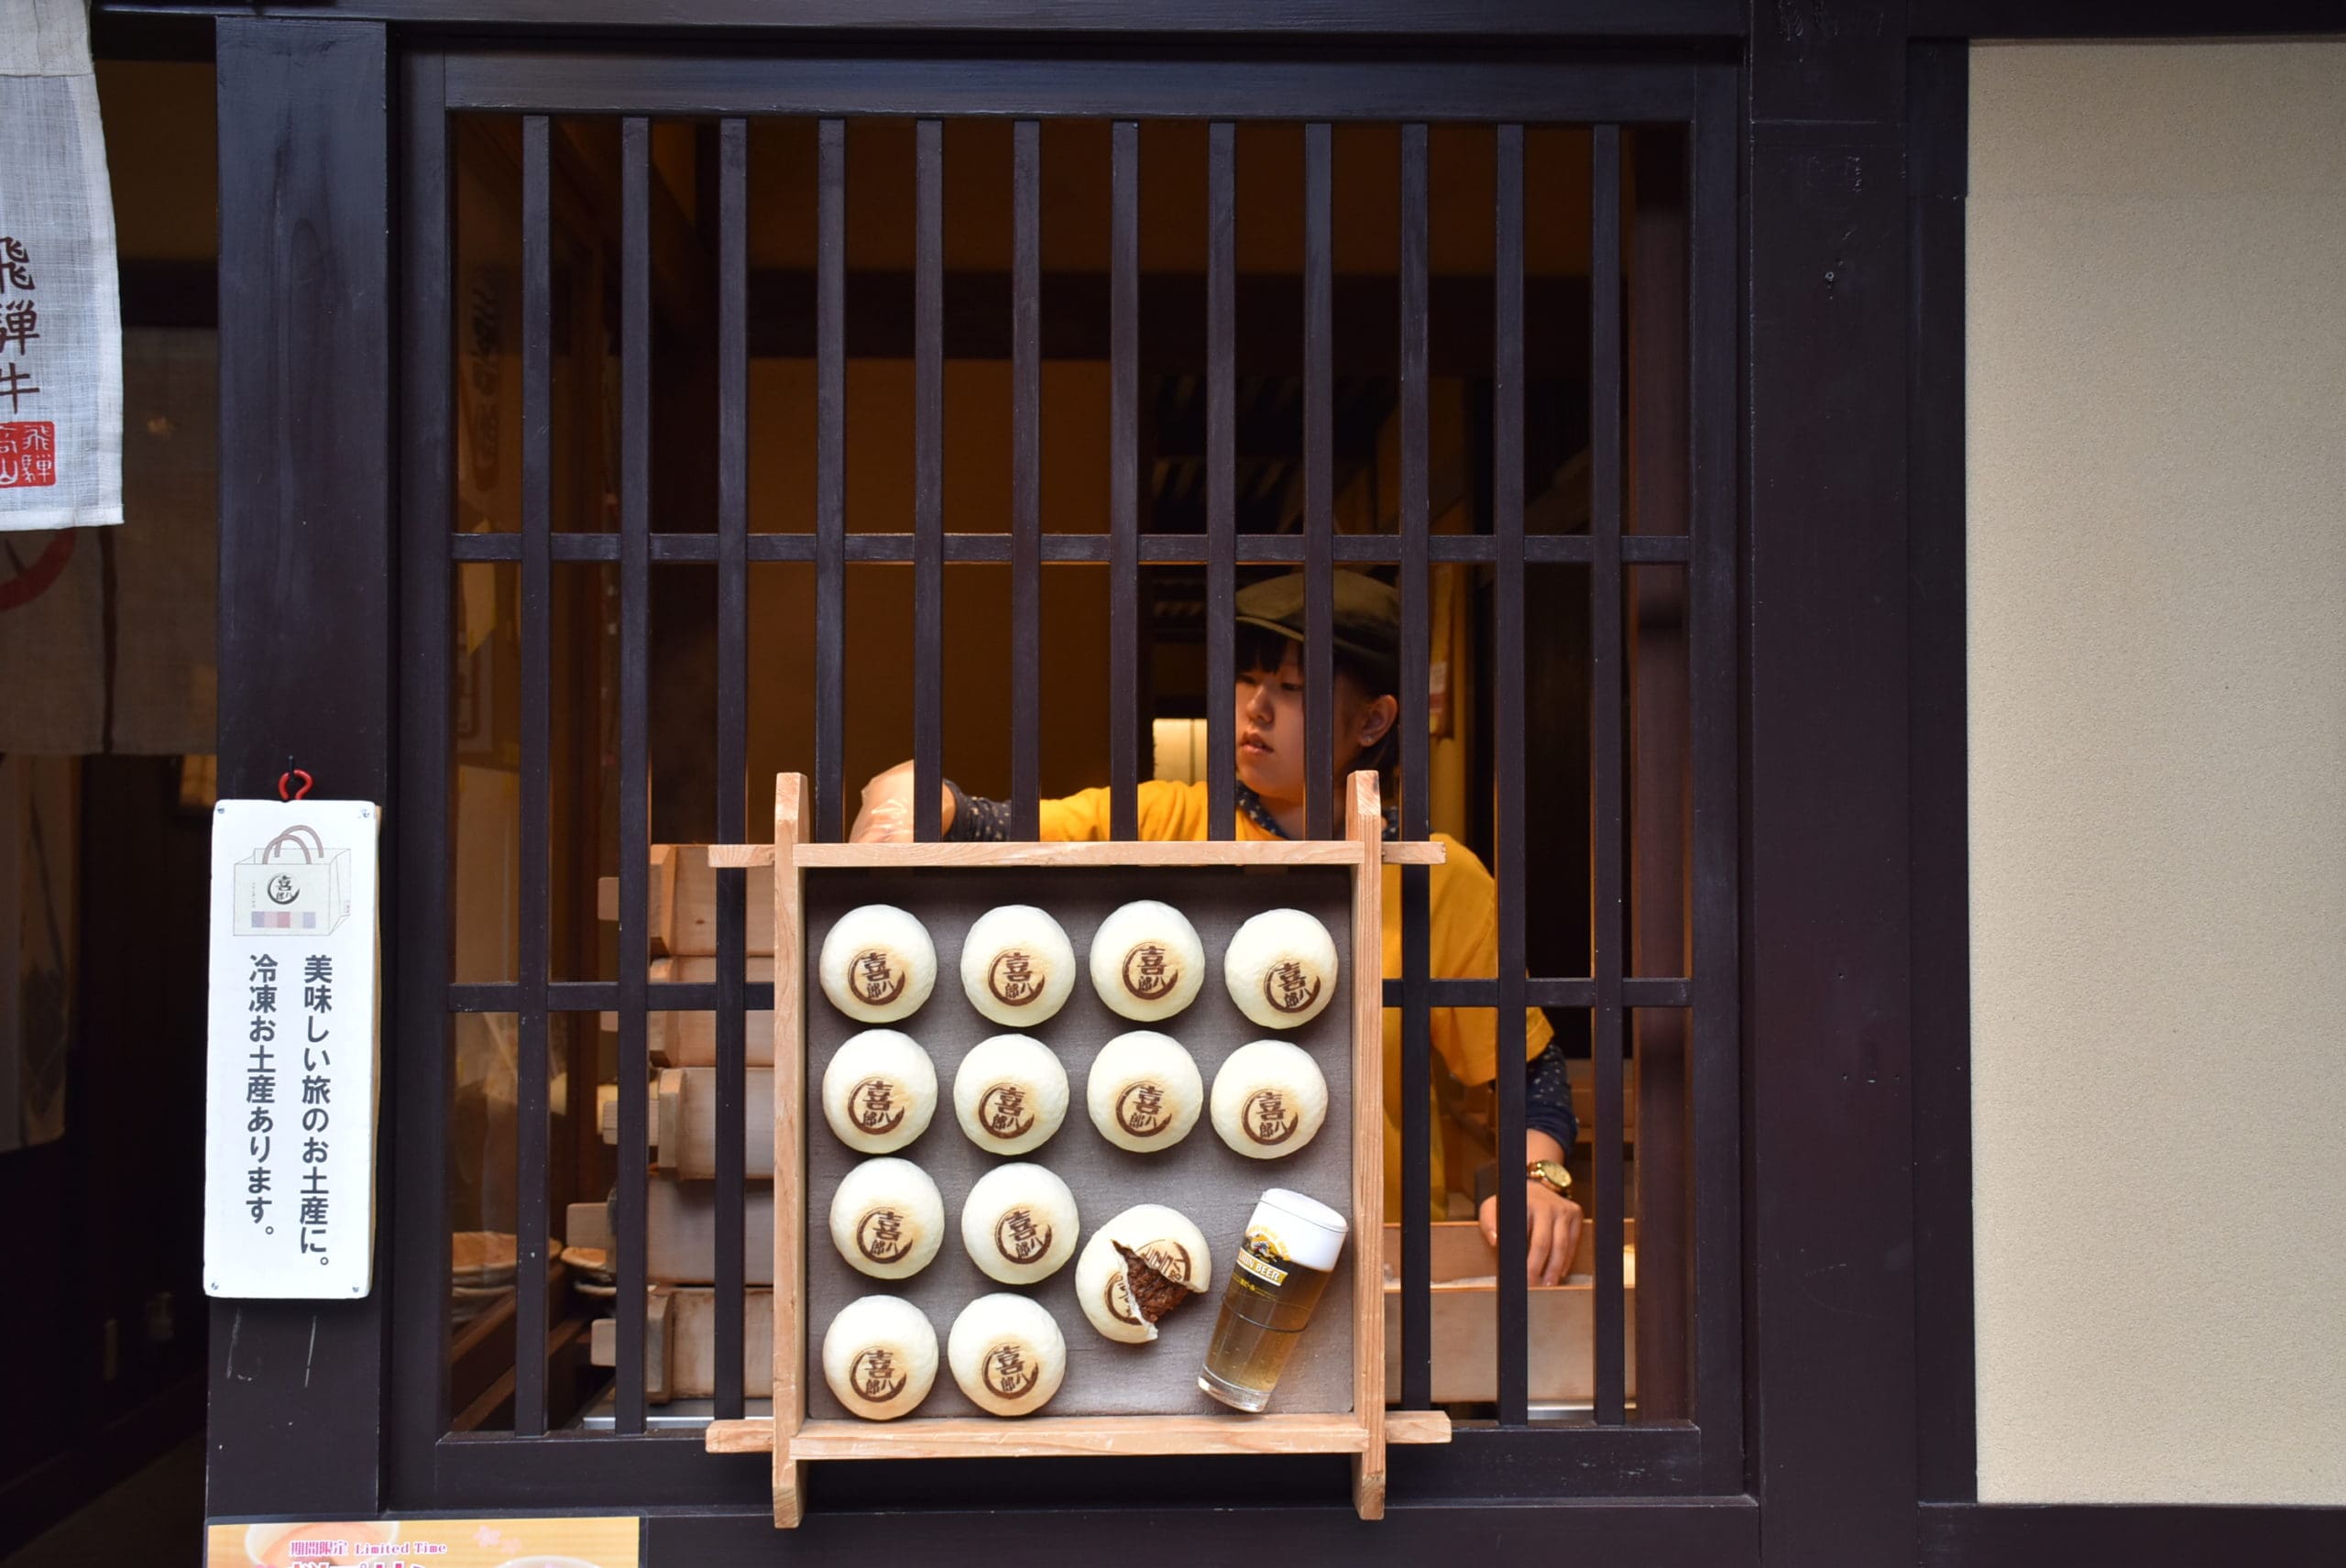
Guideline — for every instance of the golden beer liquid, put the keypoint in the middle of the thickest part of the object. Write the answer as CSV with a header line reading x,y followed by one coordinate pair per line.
x,y
1259,1324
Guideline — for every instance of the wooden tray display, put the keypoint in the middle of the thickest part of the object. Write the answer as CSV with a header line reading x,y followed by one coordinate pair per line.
x,y
1216,884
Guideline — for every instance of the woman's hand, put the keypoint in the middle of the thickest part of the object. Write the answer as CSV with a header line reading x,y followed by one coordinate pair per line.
x,y
1554,1222
887,815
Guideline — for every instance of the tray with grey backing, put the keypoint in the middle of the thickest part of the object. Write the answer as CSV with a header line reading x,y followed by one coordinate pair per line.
x,y
1202,1176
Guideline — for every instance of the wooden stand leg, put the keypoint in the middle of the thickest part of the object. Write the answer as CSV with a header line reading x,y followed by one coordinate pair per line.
x,y
789,1490
1368,1486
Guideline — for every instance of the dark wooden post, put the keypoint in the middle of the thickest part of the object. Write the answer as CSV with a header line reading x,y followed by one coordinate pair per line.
x,y
1827,886
306,609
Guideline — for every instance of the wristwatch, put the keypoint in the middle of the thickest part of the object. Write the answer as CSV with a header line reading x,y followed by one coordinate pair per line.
x,y
1550,1175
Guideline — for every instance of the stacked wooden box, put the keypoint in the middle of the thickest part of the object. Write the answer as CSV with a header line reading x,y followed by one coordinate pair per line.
x,y
680,1211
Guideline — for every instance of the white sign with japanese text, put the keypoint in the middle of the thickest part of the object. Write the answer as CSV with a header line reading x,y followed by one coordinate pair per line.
x,y
289,1162
60,318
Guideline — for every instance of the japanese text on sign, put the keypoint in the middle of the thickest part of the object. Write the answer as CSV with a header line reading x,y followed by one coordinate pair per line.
x,y
289,1208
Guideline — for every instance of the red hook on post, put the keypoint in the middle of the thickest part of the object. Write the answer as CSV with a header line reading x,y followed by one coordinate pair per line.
x,y
286,779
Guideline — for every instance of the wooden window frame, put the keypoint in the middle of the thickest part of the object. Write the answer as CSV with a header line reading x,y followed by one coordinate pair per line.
x,y
1855,1265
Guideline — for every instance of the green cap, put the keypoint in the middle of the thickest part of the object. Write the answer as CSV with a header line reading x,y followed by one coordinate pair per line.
x,y
1366,619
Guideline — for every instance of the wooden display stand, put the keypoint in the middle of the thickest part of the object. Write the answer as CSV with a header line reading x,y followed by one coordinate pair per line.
x,y
1363,1431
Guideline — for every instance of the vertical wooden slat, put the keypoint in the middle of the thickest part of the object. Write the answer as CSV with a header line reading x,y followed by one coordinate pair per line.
x,y
1608,925
1364,823
1660,763
1507,751
531,1197
1716,1135
1123,480
830,481
1947,1416
1416,1019
1222,471
419,1075
1318,484
789,1478
928,476
635,780
732,738
789,1293
1026,478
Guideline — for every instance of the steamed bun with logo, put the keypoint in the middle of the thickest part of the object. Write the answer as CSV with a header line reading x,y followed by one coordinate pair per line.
x,y
1144,1093
1010,1094
1019,1223
1270,1099
879,1357
878,1091
1137,1268
887,1219
1017,965
1147,961
1007,1354
877,964
1281,968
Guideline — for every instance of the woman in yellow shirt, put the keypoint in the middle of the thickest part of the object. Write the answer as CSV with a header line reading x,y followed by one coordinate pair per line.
x,y
1461,897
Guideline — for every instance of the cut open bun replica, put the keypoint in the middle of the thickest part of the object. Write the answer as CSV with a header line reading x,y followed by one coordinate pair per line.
x,y
1137,1268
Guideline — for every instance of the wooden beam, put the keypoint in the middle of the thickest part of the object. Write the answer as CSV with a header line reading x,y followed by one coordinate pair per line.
x,y
307,552
1075,320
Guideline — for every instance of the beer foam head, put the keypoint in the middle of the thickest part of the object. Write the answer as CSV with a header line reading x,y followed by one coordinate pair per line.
x,y
877,964
879,1357
1270,1099
1017,965
1147,961
1173,1246
1289,1228
1019,1223
1144,1091
1281,968
1010,1094
1007,1354
887,1219
878,1091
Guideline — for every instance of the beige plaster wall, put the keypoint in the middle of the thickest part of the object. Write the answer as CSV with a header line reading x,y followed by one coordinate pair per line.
x,y
2156,279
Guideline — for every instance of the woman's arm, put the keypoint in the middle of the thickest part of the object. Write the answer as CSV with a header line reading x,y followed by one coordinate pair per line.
x,y
1549,1130
973,819
1548,1102
886,814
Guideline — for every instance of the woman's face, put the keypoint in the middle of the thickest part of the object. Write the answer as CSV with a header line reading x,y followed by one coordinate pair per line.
x,y
1270,727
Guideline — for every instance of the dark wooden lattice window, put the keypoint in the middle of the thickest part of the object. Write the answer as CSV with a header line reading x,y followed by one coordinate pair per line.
x,y
591,621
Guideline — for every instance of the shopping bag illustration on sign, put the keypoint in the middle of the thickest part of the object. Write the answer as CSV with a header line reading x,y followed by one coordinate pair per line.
x,y
294,882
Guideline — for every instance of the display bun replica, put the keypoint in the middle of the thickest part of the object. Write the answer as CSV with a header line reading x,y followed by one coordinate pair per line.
x,y
1137,1268
878,1091
879,1357
1019,1223
1281,968
877,964
1270,1099
887,1219
1144,1093
1017,965
1147,961
1010,1094
1007,1354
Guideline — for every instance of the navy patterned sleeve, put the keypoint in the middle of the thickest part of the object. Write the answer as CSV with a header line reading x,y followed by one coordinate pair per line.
x,y
1548,1099
977,821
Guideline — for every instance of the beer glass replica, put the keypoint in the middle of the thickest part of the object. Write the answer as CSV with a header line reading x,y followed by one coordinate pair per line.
x,y
1284,1264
